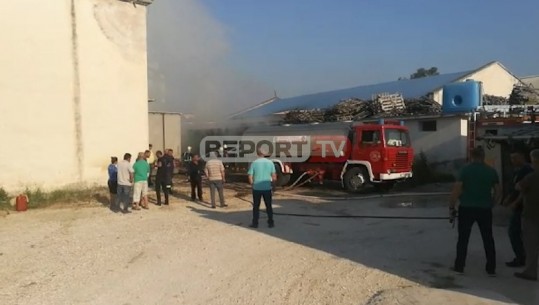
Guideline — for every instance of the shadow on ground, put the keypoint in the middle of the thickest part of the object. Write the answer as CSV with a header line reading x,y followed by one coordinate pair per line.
x,y
419,250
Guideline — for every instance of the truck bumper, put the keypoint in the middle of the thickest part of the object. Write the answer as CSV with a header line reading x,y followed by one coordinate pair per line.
x,y
396,176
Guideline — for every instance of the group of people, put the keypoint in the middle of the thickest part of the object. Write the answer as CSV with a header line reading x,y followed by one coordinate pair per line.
x,y
128,183
261,173
478,189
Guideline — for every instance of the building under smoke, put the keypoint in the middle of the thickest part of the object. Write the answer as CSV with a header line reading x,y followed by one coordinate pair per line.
x,y
74,89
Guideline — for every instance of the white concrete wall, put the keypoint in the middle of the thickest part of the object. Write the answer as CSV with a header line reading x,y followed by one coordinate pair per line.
x,y
70,99
170,125
445,145
496,81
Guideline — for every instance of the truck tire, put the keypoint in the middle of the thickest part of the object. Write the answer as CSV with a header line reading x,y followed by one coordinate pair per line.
x,y
355,179
282,179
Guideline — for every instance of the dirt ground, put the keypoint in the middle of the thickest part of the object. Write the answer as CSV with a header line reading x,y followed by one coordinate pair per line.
x,y
187,253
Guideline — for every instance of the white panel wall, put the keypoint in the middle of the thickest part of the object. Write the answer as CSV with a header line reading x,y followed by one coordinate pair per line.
x,y
165,131
67,107
447,143
496,81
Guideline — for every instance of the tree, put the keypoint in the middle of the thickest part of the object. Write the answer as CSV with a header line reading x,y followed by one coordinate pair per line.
x,y
422,72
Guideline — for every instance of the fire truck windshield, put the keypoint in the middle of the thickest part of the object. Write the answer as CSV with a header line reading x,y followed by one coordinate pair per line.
x,y
396,137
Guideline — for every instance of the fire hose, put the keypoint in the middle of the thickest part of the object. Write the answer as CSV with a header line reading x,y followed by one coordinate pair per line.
x,y
450,218
313,175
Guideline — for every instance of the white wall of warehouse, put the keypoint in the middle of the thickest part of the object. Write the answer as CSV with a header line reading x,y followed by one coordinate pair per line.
x,y
74,90
496,79
165,131
446,146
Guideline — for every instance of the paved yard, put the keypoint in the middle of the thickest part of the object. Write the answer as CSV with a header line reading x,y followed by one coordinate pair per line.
x,y
190,254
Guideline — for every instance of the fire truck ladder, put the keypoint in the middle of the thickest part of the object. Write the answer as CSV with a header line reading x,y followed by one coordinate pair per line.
x,y
471,134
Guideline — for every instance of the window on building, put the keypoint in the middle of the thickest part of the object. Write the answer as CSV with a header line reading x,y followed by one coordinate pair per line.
x,y
428,125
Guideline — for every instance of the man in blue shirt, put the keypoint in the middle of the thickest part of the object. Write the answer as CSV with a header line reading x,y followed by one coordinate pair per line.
x,y
261,175
113,182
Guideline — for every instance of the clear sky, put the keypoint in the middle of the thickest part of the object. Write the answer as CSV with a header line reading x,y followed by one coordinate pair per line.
x,y
304,46
212,57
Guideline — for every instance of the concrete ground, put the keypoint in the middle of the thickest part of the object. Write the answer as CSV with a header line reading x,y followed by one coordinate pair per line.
x,y
189,254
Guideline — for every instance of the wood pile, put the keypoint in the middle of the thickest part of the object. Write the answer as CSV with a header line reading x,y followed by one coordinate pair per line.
x,y
523,95
304,116
494,100
354,109
349,110
422,106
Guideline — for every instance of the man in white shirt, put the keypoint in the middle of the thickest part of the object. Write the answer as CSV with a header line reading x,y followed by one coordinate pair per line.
x,y
125,184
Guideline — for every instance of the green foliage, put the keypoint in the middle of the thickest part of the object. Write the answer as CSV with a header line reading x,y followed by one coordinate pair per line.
x,y
38,198
4,198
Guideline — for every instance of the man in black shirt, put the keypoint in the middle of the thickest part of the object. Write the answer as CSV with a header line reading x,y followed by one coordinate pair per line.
x,y
514,201
195,177
163,178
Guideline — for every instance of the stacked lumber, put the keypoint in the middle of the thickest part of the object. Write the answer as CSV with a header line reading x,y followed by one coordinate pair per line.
x,y
523,95
422,106
349,110
298,116
494,100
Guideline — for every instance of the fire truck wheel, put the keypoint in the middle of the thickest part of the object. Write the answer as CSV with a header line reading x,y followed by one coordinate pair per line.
x,y
355,179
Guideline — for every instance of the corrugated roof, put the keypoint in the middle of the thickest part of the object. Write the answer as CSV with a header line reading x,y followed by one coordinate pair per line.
x,y
412,88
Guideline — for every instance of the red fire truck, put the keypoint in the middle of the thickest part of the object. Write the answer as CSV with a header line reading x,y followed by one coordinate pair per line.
x,y
355,153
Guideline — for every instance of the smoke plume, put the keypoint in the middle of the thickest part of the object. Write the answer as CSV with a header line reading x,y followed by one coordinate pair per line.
x,y
188,69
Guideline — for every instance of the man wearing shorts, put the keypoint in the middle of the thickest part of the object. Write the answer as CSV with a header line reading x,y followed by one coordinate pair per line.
x,y
141,170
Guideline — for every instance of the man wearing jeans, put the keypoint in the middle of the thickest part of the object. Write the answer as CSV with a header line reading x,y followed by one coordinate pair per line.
x,y
529,187
474,188
125,181
261,175
514,201
215,171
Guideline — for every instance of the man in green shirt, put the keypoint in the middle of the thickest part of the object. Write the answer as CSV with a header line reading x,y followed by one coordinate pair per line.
x,y
474,190
141,170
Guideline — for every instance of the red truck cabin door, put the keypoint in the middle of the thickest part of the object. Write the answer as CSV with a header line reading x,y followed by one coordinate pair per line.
x,y
370,148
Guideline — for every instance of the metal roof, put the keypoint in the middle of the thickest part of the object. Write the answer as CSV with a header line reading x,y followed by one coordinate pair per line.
x,y
410,88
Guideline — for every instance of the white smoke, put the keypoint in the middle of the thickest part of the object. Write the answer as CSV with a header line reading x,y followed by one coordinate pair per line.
x,y
188,68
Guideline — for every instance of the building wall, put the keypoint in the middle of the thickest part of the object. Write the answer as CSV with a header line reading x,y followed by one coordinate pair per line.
x,y
166,132
532,81
445,147
496,81
74,90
